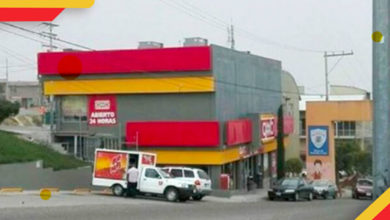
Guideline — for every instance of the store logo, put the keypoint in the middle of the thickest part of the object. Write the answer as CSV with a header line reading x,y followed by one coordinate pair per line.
x,y
102,105
116,164
33,10
318,137
147,159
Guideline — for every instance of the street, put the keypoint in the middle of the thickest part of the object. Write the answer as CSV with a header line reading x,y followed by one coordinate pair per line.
x,y
97,206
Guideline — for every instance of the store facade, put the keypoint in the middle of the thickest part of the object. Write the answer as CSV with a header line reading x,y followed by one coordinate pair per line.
x,y
208,107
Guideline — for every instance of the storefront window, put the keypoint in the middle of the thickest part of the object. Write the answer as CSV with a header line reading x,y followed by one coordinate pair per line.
x,y
74,108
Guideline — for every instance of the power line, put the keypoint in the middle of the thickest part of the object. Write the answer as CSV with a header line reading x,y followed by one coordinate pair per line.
x,y
217,22
46,36
20,35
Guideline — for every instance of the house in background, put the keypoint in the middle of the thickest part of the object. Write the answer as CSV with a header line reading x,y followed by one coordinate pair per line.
x,y
344,130
27,93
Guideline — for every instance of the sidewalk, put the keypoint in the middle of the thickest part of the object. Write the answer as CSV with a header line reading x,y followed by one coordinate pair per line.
x,y
241,197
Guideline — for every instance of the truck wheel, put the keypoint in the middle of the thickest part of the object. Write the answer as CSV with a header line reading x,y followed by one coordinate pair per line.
x,y
197,197
171,194
117,190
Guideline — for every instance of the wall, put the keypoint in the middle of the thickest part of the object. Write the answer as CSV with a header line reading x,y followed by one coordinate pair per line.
x,y
29,177
325,113
291,107
245,84
141,107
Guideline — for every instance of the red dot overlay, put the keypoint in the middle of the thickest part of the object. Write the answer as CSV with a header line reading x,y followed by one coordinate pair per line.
x,y
70,67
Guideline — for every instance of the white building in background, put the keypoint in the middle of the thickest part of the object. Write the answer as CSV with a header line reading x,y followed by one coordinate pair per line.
x,y
344,130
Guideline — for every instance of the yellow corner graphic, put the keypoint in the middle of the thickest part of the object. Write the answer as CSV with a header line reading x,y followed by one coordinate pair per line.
x,y
376,207
46,3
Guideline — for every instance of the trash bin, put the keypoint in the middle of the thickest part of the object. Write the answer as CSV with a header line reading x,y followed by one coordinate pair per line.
x,y
224,181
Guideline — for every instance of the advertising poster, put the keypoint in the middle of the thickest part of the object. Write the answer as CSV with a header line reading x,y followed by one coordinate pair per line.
x,y
110,165
268,128
319,169
319,163
102,110
148,159
318,140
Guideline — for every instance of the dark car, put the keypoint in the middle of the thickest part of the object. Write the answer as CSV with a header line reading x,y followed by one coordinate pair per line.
x,y
324,189
362,189
291,189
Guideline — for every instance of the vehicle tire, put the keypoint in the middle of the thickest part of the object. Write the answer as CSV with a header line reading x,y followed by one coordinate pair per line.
x,y
357,197
310,197
271,198
296,197
334,196
197,197
184,199
171,194
117,190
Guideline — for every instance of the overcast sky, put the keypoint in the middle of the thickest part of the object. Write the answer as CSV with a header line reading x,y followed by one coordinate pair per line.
x,y
287,30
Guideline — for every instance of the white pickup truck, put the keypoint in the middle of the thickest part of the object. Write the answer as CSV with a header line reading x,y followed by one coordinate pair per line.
x,y
110,169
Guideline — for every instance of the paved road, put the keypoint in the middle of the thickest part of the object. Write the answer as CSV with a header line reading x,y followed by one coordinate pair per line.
x,y
96,207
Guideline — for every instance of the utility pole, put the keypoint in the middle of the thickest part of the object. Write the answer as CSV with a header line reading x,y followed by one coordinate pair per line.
x,y
6,80
326,55
50,35
381,92
231,39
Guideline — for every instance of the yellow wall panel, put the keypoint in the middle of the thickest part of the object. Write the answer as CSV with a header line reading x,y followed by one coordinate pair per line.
x,y
130,86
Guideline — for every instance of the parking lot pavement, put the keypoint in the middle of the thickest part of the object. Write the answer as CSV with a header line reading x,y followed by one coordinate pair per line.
x,y
32,199
65,205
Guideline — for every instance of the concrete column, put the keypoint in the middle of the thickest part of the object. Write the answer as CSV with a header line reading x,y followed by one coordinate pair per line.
x,y
75,146
215,173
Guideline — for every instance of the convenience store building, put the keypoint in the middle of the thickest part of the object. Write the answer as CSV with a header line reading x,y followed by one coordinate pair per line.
x,y
203,106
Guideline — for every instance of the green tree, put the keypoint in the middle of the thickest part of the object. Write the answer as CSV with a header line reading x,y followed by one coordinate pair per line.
x,y
351,158
294,165
8,109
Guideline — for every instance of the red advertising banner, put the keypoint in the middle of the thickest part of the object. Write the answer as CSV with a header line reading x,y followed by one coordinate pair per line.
x,y
288,124
109,165
102,110
181,59
238,131
268,128
173,133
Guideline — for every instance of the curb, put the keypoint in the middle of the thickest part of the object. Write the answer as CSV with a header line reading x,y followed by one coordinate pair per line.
x,y
51,189
81,191
11,190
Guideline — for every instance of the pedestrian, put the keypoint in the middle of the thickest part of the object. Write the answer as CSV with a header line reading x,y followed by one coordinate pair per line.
x,y
132,180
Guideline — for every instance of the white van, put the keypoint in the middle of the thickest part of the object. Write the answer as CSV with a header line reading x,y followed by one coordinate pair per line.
x,y
111,166
193,176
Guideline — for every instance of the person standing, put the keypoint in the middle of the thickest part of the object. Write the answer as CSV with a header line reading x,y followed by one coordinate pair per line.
x,y
132,180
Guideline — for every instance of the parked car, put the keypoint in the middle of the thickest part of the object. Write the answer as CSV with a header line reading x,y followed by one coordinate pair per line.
x,y
192,176
362,189
295,188
324,189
